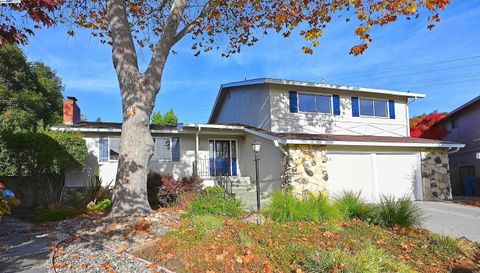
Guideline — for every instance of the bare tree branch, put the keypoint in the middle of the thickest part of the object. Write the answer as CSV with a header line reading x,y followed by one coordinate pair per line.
x,y
123,49
161,51
190,26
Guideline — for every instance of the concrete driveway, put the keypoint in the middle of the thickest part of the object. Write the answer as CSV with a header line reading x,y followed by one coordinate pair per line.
x,y
452,219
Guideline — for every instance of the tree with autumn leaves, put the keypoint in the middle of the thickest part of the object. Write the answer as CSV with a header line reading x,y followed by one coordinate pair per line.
x,y
222,25
428,126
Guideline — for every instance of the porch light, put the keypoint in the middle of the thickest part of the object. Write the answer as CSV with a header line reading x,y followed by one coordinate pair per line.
x,y
256,146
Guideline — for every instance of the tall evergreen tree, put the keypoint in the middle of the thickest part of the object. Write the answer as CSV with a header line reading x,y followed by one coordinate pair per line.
x,y
30,92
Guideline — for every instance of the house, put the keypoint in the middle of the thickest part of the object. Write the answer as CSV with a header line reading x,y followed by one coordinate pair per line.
x,y
315,137
463,125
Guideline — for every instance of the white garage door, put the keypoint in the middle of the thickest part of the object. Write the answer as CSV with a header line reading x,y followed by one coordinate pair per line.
x,y
374,174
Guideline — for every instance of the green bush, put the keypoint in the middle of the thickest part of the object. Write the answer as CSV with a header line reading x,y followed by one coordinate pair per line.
x,y
57,213
354,206
214,201
286,207
366,258
101,206
205,225
401,212
450,246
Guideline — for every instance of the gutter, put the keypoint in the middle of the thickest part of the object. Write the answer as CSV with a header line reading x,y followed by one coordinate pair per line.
x,y
456,149
384,144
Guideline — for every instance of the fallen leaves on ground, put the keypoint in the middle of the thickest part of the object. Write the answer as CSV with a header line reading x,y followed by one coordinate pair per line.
x,y
281,247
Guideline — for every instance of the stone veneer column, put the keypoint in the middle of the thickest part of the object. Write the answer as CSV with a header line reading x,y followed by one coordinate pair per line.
x,y
436,174
304,169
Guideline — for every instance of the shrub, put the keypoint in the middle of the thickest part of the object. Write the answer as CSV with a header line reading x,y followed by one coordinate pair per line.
x,y
401,212
7,199
354,206
95,191
450,246
205,225
57,213
286,207
366,258
163,190
214,201
44,157
101,206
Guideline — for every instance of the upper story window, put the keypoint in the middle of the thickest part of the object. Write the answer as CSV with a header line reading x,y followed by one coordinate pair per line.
x,y
109,148
315,103
373,107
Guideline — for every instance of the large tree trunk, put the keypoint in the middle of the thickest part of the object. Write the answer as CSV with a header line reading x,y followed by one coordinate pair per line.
x,y
138,97
130,194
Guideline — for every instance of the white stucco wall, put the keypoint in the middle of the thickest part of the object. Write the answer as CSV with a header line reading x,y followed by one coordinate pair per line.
x,y
344,124
184,167
248,105
269,164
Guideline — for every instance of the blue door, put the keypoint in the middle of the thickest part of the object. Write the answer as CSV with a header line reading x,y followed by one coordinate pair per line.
x,y
223,159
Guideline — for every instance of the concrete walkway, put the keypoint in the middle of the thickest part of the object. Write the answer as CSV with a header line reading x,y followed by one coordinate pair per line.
x,y
24,248
452,219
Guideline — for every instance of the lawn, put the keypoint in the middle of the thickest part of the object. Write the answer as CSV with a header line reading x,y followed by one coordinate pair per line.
x,y
213,238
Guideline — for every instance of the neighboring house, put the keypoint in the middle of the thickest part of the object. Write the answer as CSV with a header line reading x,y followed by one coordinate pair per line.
x,y
315,137
463,125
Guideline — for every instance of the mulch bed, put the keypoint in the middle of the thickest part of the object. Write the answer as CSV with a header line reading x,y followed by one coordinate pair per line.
x,y
101,244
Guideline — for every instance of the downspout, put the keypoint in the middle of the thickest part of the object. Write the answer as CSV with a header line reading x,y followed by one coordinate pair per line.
x,y
275,142
196,149
407,114
454,150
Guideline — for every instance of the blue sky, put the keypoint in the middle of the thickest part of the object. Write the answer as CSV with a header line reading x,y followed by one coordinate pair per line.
x,y
443,63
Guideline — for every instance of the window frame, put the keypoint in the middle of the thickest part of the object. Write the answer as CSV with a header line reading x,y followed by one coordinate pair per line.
x,y
315,95
230,140
108,149
155,149
387,112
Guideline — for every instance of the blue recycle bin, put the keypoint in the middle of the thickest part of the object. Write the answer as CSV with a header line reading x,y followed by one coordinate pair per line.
x,y
468,185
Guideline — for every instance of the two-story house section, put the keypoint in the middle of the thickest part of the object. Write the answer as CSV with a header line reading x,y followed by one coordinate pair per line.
x,y
463,125
314,138
285,106
337,138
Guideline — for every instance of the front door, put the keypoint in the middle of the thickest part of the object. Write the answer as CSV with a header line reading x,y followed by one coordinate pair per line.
x,y
223,158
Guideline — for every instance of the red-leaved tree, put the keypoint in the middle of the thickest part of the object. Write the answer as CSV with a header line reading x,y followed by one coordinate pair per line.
x,y
17,21
223,25
428,126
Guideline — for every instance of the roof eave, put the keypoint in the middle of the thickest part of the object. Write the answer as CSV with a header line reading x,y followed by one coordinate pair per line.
x,y
376,143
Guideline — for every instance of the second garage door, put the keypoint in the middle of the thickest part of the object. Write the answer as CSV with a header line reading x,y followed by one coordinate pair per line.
x,y
374,174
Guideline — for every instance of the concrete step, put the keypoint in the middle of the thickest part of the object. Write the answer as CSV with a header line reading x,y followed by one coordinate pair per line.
x,y
249,199
244,187
240,180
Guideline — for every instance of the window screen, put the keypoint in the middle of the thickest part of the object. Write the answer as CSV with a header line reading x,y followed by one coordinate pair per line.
x,y
373,107
163,149
315,103
113,148
323,104
307,103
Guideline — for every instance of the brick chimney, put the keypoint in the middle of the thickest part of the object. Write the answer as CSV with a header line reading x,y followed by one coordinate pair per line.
x,y
71,111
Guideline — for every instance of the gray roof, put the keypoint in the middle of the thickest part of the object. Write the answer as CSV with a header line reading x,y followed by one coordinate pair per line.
x,y
464,106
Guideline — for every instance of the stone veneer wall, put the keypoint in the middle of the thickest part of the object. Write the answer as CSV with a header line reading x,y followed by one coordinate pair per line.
x,y
304,169
436,174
